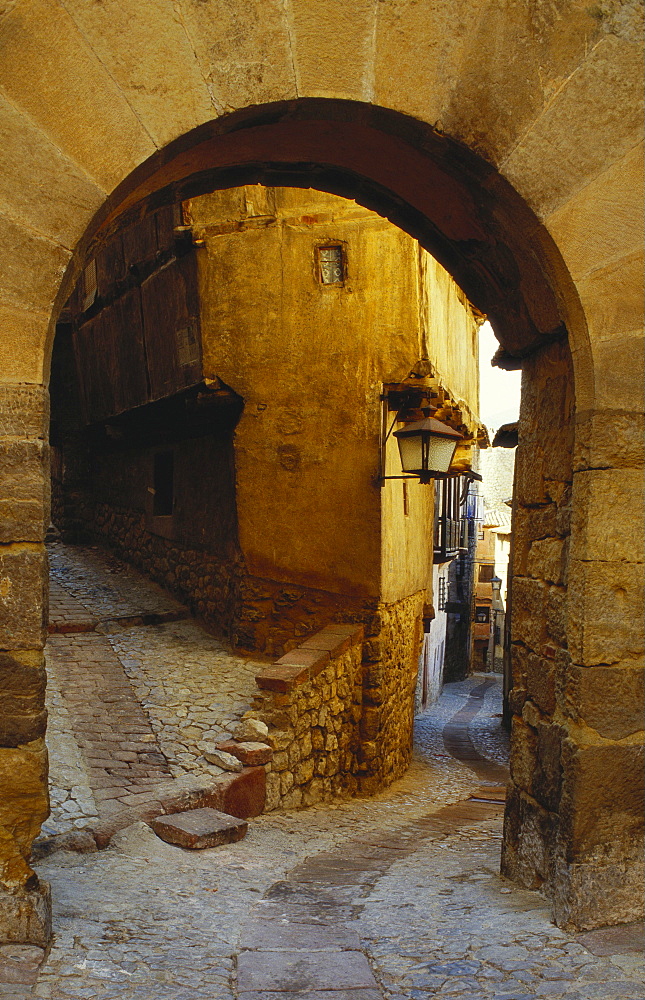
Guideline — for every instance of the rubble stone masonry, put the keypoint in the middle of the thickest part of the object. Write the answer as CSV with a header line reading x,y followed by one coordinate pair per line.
x,y
340,707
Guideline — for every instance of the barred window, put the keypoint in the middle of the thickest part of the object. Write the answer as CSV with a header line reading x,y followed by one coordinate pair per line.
x,y
331,265
441,596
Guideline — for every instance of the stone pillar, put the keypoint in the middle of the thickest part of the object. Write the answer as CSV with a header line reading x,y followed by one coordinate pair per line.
x,y
574,810
25,912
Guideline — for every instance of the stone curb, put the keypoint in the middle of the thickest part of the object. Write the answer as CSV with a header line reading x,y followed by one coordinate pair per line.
x,y
307,660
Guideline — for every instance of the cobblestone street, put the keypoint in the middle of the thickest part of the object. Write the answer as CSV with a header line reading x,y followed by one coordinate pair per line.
x,y
394,897
157,685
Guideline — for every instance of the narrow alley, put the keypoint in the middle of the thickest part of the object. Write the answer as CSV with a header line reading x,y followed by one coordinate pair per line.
x,y
392,897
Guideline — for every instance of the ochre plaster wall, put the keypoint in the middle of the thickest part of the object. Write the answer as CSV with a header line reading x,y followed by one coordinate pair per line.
x,y
310,360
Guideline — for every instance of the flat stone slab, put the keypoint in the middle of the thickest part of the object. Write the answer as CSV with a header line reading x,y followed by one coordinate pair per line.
x,y
199,828
19,963
623,939
223,758
249,752
292,971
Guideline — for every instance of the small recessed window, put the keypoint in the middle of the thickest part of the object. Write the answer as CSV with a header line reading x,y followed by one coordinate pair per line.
x,y
331,265
486,573
164,487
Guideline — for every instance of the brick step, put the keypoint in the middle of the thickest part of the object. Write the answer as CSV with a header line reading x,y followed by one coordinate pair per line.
x,y
199,828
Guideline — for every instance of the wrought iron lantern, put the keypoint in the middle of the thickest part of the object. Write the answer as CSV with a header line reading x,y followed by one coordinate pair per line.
x,y
427,448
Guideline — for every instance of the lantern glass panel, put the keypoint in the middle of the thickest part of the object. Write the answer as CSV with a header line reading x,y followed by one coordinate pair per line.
x,y
413,451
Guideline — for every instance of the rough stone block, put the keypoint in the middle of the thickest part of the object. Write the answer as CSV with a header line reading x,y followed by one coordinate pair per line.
x,y
251,729
23,520
595,893
609,439
24,411
529,612
249,752
22,698
24,805
523,754
547,780
24,468
605,612
546,560
199,828
602,801
26,915
609,699
222,758
24,490
607,522
540,681
528,840
556,616
23,596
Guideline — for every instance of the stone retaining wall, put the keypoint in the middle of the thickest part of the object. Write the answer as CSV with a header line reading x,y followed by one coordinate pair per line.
x,y
312,702
391,663
340,708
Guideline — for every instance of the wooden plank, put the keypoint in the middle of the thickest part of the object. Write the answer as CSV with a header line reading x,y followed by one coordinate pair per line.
x,y
167,218
110,267
140,241
110,360
171,327
91,350
128,373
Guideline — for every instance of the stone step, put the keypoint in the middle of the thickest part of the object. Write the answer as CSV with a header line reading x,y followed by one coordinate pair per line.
x,y
489,793
199,828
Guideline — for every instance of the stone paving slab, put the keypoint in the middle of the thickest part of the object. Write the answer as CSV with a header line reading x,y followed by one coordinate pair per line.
x,y
295,971
66,614
622,940
19,963
198,829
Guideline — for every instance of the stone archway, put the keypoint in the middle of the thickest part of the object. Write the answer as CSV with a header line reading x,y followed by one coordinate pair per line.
x,y
525,258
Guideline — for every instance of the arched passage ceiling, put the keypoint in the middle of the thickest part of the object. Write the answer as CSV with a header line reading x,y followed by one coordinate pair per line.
x,y
546,94
456,204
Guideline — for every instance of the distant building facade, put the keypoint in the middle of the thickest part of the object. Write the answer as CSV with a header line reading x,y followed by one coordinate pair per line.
x,y
492,557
